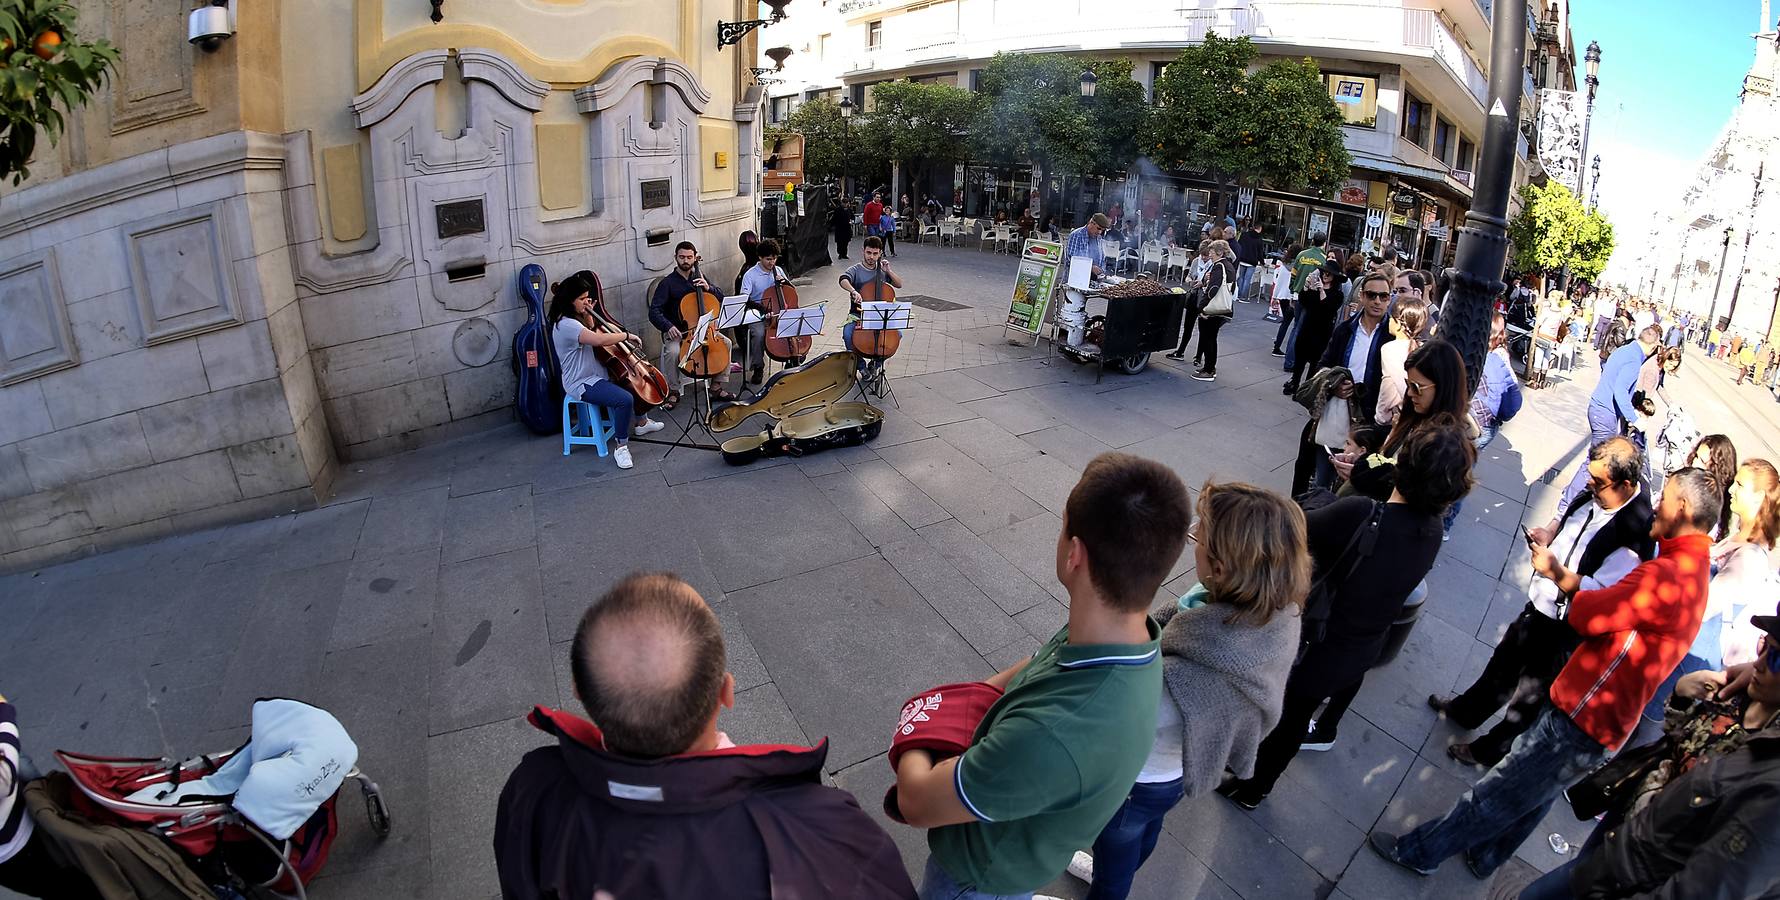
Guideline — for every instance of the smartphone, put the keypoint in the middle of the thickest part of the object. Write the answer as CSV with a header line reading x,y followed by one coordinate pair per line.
x,y
1528,535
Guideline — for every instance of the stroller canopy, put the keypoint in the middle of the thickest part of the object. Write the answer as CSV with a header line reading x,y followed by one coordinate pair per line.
x,y
296,759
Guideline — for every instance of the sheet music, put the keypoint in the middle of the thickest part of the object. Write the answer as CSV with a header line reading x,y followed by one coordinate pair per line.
x,y
737,313
804,321
885,316
1081,271
697,337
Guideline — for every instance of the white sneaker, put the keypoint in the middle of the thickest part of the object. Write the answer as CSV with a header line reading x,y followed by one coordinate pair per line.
x,y
647,426
1082,866
622,457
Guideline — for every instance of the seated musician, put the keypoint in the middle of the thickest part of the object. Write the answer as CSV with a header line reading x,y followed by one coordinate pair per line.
x,y
861,274
755,284
664,314
583,376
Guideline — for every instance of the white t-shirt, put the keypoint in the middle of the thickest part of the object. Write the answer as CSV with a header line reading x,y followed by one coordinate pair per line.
x,y
1164,764
1360,353
1282,283
580,367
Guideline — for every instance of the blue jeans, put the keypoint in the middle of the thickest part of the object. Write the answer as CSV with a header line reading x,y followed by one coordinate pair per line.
x,y
618,403
1484,437
1291,345
1130,837
1653,711
1603,424
938,884
1501,810
1244,274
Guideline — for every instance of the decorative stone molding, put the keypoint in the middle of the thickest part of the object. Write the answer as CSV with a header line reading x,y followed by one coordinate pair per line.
x,y
35,338
616,83
153,82
404,78
181,274
476,342
314,268
488,66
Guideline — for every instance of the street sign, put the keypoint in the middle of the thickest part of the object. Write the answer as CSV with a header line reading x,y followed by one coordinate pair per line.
x,y
1033,285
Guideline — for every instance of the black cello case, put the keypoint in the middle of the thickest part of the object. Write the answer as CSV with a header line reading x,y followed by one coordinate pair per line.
x,y
539,397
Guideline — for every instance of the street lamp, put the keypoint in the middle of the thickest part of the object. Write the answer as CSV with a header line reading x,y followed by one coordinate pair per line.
x,y
1089,81
847,143
1594,183
1592,59
1483,242
1712,311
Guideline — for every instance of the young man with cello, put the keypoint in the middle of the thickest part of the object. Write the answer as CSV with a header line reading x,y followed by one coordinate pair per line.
x,y
861,274
664,313
758,280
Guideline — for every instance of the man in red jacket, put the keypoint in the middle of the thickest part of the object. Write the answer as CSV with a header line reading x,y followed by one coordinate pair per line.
x,y
654,801
1633,633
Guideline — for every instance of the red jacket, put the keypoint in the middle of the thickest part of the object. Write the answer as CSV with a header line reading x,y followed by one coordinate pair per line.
x,y
873,212
750,823
1633,633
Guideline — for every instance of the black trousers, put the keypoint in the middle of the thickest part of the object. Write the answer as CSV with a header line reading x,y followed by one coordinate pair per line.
x,y
841,237
1288,310
1304,693
1208,342
1532,652
1188,318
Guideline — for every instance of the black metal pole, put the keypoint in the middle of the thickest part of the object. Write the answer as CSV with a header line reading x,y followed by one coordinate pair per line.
x,y
1712,311
1483,242
1748,235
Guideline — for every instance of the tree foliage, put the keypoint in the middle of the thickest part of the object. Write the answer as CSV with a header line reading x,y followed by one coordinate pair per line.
x,y
917,124
1119,115
42,65
1276,124
1553,230
1033,112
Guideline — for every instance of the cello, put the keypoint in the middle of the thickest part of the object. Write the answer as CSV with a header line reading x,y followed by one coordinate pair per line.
x,y
624,362
875,343
711,359
784,349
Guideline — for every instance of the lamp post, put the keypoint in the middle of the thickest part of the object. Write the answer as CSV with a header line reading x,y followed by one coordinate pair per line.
x,y
1712,311
1594,183
1592,61
1483,242
1748,233
846,145
1089,82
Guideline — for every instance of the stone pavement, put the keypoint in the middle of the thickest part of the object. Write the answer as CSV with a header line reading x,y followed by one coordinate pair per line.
x,y
430,602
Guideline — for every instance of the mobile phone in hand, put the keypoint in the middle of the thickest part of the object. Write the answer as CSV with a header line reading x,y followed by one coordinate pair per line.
x,y
1528,535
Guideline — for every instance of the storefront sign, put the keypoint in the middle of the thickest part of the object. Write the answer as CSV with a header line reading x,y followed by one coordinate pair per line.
x,y
1403,201
1245,203
1400,220
1353,191
1462,176
1374,219
1319,223
1033,284
1438,232
657,193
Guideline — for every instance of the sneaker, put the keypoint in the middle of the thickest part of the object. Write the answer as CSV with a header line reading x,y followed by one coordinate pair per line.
x,y
647,426
1270,317
1385,845
1317,741
1082,866
1202,375
621,456
1278,352
735,367
1242,794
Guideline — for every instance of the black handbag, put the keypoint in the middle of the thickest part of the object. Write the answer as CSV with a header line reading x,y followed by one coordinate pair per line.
x,y
1320,602
1610,786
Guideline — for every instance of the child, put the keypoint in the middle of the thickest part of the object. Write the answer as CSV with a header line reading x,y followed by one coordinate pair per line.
x,y
887,227
1282,290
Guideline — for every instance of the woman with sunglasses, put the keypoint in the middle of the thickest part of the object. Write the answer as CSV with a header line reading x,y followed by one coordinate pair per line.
x,y
1411,328
1699,821
1433,385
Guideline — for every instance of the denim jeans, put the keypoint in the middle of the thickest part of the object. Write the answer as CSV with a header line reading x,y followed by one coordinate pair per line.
x,y
618,402
1501,810
1130,837
938,884
1291,344
1244,274
1603,425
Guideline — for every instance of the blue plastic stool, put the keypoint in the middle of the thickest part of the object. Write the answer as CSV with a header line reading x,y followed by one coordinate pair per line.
x,y
583,423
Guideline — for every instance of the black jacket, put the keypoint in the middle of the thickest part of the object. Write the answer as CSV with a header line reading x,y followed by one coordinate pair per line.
x,y
1709,833
747,822
1248,248
1335,354
664,306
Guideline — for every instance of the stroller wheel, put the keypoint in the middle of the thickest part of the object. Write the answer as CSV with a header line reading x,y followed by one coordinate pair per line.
x,y
375,809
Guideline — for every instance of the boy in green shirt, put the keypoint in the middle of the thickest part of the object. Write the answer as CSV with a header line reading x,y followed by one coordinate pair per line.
x,y
1055,757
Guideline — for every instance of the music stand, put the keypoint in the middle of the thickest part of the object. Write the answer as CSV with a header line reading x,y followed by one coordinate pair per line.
x,y
802,321
694,417
883,316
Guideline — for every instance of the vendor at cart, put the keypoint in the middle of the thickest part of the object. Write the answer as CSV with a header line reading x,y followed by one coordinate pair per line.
x,y
1085,241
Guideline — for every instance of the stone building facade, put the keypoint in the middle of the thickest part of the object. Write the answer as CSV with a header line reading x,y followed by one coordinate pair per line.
x,y
240,268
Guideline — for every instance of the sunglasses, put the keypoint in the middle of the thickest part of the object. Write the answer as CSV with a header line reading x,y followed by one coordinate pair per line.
x,y
1768,655
1416,387
1193,530
1377,295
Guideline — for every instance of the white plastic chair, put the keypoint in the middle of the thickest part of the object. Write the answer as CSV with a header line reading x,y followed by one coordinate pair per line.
x,y
1152,253
926,232
1178,258
987,234
1127,255
1109,249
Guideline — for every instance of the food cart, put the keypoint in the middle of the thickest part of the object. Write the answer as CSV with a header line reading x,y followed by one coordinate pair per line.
x,y
1117,323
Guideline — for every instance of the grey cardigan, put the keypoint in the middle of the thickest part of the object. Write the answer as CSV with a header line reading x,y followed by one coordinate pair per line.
x,y
1229,682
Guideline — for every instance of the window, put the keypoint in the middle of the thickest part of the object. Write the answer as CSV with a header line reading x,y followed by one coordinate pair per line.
x,y
1467,155
822,46
781,109
832,95
976,80
865,96
1417,117
1157,70
1357,98
1443,142
874,34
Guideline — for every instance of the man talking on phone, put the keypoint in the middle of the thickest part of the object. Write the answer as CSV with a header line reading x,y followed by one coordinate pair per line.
x,y
1601,536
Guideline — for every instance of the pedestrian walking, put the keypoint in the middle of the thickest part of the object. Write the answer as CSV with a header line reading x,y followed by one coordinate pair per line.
x,y
1248,259
1281,308
1318,307
1214,312
1632,633
1304,263
840,224
1612,407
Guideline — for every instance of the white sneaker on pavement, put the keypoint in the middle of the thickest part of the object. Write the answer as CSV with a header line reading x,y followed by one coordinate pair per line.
x,y
647,426
1082,866
622,457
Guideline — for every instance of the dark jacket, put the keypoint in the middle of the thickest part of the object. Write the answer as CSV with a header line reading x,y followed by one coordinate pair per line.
x,y
664,306
1367,602
122,863
1709,833
1364,402
1248,248
746,822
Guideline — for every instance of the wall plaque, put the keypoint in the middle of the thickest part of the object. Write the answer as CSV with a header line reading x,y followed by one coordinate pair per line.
x,y
460,217
658,193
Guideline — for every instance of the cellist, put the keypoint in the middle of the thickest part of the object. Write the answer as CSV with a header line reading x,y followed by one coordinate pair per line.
x,y
755,283
583,377
861,274
664,314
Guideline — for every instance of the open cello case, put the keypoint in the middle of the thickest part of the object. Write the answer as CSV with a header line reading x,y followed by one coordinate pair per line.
x,y
808,414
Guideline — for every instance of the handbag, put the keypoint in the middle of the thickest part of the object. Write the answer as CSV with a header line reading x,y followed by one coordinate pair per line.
x,y
1223,303
1611,785
1332,426
1320,602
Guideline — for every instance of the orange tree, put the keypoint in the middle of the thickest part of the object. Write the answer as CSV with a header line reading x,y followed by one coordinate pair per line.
x,y
1276,125
42,65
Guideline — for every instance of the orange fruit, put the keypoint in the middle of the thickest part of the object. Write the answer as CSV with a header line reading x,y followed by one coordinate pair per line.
x,y
46,44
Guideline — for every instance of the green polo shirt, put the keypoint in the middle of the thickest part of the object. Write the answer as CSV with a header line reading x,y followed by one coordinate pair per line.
x,y
1051,762
1307,262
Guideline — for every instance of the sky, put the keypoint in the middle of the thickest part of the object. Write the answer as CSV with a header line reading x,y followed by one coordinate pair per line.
x,y
1655,121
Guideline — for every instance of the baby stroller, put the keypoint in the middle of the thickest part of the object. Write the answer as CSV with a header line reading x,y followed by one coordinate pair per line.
x,y
1671,446
260,816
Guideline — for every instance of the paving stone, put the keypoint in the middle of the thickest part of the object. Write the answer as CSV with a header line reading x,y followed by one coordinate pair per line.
x,y
1031,546
1013,376
387,597
971,493
778,546
507,457
278,652
1357,777
760,716
488,523
990,445
1316,832
1395,697
1067,445
1427,794
744,661
381,697
1458,593
1252,862
990,571
1093,414
897,429
488,642
876,521
956,386
927,406
866,643
867,781
1495,509
1017,413
914,507
403,523
465,772
1043,621
965,607
324,535
1482,547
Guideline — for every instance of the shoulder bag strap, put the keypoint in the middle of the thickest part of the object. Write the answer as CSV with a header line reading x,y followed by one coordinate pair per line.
x,y
1364,540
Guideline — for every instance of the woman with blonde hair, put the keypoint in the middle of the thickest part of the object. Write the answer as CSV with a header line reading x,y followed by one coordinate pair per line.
x,y
1227,647
1411,327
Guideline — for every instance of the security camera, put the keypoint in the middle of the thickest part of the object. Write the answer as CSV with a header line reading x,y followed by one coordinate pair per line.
x,y
209,26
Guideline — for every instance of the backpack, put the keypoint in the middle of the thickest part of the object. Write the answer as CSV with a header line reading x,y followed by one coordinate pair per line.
x,y
1320,602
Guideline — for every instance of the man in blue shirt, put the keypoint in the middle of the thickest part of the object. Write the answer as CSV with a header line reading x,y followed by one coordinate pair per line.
x,y
1610,407
1085,241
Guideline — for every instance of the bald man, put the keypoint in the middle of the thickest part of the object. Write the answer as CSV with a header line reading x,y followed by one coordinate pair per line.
x,y
651,799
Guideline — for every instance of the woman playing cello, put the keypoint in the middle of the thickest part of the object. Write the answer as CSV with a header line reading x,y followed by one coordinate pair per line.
x,y
572,328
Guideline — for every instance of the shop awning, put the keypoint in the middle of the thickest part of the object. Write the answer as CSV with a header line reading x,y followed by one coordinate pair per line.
x,y
1435,181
